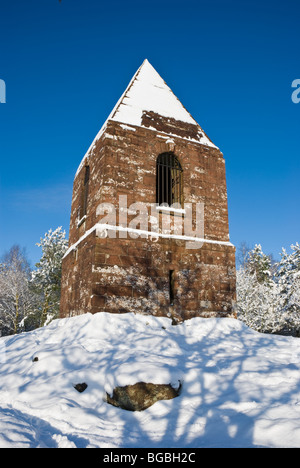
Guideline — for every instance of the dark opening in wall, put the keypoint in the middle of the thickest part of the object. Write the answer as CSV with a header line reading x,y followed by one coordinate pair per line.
x,y
82,211
171,286
86,189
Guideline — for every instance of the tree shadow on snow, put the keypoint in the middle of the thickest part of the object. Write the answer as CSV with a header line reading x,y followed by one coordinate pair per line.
x,y
216,411
27,431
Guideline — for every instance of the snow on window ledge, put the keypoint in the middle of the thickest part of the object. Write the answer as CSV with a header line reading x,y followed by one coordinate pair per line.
x,y
81,221
170,209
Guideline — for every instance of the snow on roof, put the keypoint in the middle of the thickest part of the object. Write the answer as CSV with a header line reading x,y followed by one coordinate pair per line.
x,y
147,91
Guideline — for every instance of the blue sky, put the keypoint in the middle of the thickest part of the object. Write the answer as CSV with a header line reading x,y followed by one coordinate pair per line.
x,y
231,63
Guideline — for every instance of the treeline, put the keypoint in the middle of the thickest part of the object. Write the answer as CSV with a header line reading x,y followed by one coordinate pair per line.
x,y
268,292
30,298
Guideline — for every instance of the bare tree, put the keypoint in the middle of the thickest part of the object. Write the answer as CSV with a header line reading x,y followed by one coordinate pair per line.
x,y
15,297
242,254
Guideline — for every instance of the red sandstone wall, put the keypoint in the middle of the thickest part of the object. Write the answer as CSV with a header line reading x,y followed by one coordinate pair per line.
x,y
120,275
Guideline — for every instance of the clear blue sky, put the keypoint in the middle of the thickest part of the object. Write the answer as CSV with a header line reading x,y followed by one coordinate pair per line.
x,y
231,63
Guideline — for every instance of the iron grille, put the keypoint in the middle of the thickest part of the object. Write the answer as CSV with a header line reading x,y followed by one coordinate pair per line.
x,y
169,178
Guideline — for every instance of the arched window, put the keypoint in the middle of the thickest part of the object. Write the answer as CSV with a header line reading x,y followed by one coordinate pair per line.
x,y
169,180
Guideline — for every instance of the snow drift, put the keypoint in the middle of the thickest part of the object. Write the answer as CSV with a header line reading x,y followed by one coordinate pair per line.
x,y
239,388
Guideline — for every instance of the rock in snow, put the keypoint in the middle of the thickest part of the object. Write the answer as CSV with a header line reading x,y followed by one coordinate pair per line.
x,y
141,395
239,388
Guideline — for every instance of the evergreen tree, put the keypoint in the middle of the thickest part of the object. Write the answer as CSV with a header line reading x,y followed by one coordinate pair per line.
x,y
268,294
288,277
259,264
46,279
257,296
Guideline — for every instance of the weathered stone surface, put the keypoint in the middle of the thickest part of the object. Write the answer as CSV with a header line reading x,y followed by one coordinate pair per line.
x,y
141,395
132,274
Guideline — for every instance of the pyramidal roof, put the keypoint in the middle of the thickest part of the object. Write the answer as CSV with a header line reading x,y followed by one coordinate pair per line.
x,y
148,92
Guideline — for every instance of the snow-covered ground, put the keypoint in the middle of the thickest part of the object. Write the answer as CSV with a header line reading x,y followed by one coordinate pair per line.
x,y
240,388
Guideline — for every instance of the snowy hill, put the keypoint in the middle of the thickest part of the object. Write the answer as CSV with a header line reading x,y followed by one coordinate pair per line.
x,y
240,388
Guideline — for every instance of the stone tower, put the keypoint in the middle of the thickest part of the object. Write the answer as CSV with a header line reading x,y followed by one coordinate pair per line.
x,y
149,220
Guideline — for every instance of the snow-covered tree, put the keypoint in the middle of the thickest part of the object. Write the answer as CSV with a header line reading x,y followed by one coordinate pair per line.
x,y
268,295
46,279
257,292
15,295
257,302
288,277
259,264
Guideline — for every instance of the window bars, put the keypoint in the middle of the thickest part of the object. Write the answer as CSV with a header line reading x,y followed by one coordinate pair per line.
x,y
169,180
